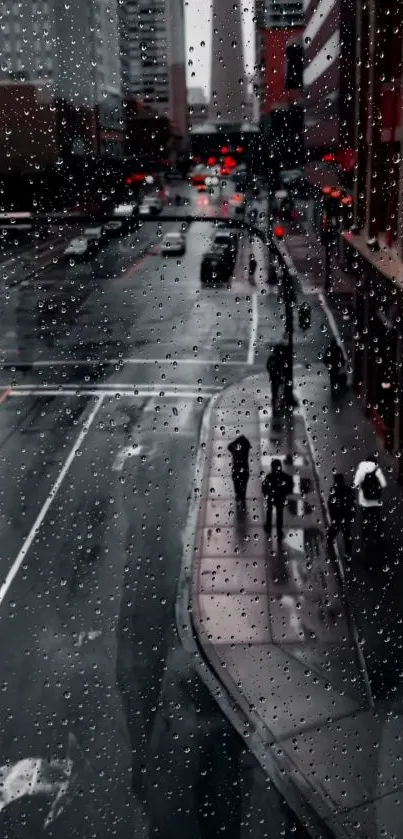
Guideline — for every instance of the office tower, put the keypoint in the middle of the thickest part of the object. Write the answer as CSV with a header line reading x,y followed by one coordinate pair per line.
x,y
228,85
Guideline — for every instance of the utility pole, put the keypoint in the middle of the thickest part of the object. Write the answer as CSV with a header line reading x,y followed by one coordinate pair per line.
x,y
289,303
328,267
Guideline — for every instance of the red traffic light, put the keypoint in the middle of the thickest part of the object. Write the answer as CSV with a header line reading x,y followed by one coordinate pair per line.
x,y
224,149
279,231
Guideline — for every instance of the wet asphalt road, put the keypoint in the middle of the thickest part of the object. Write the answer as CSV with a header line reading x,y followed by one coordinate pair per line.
x,y
105,725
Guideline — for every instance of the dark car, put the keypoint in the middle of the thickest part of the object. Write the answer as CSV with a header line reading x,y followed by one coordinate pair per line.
x,y
215,267
227,240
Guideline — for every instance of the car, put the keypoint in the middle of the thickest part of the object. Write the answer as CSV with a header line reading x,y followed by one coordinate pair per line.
x,y
126,215
78,248
228,240
215,267
238,202
150,206
114,228
173,244
145,210
125,211
97,235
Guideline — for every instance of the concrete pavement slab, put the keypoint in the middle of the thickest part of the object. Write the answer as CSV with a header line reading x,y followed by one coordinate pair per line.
x,y
289,698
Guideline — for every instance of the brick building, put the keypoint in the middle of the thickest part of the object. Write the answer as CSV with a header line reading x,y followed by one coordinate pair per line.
x,y
353,133
374,247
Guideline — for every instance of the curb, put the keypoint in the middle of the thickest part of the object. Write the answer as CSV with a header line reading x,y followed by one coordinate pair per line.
x,y
287,779
340,566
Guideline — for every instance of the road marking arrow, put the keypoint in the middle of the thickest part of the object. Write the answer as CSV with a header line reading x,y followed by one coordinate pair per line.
x,y
36,776
123,454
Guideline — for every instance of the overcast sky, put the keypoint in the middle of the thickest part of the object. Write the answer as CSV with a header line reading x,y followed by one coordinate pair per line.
x,y
198,40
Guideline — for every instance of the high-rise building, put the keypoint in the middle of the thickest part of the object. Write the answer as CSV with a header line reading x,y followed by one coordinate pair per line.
x,y
228,83
284,13
145,52
178,110
197,105
153,57
329,43
278,24
75,48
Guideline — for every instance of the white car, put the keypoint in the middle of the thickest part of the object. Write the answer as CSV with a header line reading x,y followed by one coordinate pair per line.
x,y
78,248
173,244
150,206
96,234
125,211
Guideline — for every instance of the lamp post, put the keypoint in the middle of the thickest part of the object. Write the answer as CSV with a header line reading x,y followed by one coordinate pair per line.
x,y
289,301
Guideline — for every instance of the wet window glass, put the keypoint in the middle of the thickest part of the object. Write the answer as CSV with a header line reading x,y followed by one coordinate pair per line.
x,y
201,427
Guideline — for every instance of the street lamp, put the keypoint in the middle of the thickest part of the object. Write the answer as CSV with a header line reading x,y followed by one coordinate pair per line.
x,y
289,300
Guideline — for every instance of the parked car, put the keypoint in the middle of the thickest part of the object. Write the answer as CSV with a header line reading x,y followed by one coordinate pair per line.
x,y
79,248
173,244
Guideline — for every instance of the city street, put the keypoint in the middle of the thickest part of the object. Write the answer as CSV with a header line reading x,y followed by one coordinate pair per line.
x,y
107,370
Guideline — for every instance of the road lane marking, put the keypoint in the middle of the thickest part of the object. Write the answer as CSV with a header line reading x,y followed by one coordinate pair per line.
x,y
253,331
133,268
52,495
167,394
5,394
36,776
115,388
91,635
332,323
122,361
123,454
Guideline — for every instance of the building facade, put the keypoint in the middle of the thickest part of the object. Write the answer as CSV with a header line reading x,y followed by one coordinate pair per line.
x,y
329,42
329,60
197,106
283,13
373,248
75,49
228,82
153,59
145,52
277,25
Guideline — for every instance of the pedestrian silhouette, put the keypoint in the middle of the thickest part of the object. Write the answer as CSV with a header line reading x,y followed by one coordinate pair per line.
x,y
276,367
252,265
335,363
341,505
276,487
239,449
370,481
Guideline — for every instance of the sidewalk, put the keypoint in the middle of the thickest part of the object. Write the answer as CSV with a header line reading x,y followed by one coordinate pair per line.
x,y
274,623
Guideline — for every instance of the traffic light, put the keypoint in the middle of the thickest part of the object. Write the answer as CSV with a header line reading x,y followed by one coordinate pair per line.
x,y
279,231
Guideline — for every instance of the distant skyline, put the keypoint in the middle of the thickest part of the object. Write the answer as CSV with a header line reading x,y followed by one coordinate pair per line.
x,y
198,41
